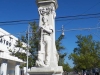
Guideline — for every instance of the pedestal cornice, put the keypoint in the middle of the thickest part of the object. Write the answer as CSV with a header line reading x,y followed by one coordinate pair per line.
x,y
47,1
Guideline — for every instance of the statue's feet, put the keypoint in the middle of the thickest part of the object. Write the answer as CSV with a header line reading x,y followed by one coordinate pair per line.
x,y
47,65
40,63
44,65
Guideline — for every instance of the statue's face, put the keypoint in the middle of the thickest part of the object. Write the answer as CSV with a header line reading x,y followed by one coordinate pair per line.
x,y
45,19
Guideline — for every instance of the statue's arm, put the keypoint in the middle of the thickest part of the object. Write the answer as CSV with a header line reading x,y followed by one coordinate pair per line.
x,y
47,30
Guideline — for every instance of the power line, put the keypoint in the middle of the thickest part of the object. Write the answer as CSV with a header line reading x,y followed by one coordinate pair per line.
x,y
80,29
56,20
9,34
16,21
83,15
62,30
6,24
79,18
94,34
63,18
92,7
86,10
98,24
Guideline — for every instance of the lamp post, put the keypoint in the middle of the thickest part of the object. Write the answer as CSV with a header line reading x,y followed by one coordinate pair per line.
x,y
27,50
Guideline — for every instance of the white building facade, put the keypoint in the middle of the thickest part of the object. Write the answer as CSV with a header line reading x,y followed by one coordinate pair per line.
x,y
9,65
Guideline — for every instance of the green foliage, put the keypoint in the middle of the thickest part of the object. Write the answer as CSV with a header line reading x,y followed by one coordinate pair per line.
x,y
33,46
87,53
66,67
60,48
59,44
61,61
34,38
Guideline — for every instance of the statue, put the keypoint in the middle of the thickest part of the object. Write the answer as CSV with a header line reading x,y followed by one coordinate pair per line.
x,y
45,43
47,59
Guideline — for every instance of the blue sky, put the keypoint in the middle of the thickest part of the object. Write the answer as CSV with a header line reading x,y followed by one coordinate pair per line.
x,y
11,10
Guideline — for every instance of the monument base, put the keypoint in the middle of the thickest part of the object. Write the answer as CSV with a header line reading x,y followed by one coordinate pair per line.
x,y
46,71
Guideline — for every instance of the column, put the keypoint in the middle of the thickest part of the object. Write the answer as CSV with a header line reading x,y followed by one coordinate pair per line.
x,y
4,67
17,68
47,8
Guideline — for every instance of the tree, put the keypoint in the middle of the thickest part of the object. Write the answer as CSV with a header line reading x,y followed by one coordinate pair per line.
x,y
66,67
33,45
59,49
61,61
87,53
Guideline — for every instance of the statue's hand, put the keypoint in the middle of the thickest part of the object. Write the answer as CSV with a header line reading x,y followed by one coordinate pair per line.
x,y
41,27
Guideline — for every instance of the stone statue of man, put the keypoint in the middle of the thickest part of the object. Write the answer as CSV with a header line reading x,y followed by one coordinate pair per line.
x,y
45,54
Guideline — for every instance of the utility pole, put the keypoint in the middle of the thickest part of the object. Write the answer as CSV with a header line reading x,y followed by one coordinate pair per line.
x,y
27,50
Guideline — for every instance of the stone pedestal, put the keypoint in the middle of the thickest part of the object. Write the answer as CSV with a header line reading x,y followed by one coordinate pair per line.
x,y
46,71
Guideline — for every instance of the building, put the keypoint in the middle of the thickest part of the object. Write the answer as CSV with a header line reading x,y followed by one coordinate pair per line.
x,y
9,65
